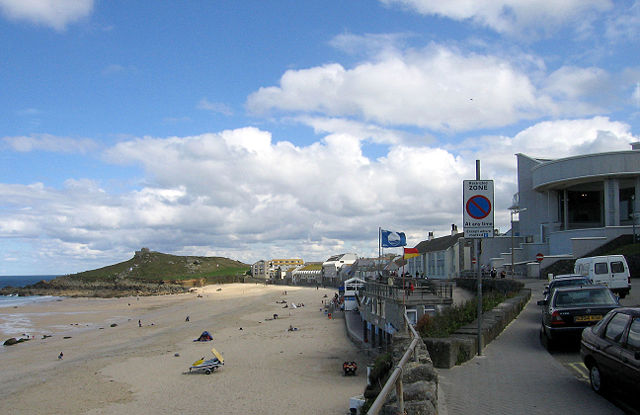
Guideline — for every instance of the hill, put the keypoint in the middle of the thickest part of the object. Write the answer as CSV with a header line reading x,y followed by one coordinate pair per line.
x,y
147,273
151,266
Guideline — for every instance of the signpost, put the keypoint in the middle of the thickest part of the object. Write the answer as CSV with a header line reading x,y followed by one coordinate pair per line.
x,y
539,257
478,208
478,223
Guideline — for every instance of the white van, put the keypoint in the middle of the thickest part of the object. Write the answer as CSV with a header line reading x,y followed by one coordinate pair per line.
x,y
610,270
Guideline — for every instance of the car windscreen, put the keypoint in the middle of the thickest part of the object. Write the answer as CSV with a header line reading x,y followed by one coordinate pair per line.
x,y
580,298
569,283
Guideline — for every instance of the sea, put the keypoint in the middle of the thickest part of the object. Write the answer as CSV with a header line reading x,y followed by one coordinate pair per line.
x,y
21,281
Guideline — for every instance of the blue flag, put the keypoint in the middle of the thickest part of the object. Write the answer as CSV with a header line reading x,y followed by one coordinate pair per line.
x,y
390,239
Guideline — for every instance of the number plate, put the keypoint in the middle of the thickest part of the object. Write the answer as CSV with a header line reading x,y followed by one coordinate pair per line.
x,y
591,317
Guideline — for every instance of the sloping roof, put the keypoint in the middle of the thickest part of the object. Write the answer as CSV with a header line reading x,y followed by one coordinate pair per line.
x,y
311,266
439,244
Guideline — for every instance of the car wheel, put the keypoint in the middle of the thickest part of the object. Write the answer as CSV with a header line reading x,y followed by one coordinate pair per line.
x,y
208,371
595,378
545,340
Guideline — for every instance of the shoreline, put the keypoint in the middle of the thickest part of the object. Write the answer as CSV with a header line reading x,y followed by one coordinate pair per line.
x,y
126,368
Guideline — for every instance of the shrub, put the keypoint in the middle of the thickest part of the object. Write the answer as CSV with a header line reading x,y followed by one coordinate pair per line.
x,y
456,316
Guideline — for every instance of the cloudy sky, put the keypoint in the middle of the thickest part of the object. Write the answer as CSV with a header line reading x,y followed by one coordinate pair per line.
x,y
268,129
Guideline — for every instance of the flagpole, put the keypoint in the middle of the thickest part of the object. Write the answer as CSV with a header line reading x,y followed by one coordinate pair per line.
x,y
379,252
404,288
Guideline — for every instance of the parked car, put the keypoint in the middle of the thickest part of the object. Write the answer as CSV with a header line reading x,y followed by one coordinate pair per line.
x,y
569,310
565,280
611,350
609,270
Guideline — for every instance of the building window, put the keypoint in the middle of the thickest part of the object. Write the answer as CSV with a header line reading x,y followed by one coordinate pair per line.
x,y
585,209
440,263
626,205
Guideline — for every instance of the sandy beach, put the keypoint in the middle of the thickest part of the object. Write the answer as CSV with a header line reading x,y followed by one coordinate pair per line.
x,y
130,369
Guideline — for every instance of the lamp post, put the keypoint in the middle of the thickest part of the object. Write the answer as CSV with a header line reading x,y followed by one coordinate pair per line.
x,y
633,217
513,210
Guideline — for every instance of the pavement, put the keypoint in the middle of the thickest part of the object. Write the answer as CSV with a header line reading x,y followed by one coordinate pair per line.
x,y
516,375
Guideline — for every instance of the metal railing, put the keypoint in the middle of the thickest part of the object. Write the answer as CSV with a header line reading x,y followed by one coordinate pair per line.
x,y
421,291
396,376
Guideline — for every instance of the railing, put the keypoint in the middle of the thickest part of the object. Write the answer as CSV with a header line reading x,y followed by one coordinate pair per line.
x,y
421,291
396,376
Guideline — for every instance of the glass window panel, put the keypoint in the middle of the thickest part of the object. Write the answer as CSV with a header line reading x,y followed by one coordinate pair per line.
x,y
616,327
617,267
601,268
634,334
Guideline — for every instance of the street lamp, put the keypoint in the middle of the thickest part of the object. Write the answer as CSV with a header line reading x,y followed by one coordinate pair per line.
x,y
633,217
513,210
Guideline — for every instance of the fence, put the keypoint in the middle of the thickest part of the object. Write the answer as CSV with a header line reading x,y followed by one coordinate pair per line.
x,y
421,291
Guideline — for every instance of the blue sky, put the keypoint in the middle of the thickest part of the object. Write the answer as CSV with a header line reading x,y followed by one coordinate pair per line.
x,y
256,130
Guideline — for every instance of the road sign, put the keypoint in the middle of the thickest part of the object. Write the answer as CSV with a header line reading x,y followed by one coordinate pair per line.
x,y
473,260
478,208
539,257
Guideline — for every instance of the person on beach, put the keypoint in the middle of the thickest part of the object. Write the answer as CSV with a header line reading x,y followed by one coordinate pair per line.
x,y
139,323
60,356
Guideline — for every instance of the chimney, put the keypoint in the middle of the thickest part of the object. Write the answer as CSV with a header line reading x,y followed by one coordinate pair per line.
x,y
430,236
454,229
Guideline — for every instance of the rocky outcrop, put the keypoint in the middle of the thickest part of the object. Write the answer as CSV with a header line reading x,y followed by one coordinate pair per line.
x,y
70,287
13,340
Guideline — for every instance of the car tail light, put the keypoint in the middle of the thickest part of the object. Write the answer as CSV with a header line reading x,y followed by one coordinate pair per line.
x,y
556,319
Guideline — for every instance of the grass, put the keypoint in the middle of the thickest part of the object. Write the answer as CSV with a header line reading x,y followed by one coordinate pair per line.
x,y
158,267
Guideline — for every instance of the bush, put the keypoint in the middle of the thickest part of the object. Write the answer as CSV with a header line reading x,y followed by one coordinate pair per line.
x,y
456,316
377,377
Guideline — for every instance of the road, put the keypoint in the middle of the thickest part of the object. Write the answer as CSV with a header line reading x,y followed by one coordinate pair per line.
x,y
517,375
569,356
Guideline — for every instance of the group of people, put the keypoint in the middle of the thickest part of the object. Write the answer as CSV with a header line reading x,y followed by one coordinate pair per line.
x,y
494,273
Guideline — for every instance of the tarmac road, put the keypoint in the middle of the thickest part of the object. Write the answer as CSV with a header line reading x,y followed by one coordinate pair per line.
x,y
569,356
516,375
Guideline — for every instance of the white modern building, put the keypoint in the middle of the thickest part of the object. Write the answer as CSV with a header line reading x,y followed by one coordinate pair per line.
x,y
332,266
567,207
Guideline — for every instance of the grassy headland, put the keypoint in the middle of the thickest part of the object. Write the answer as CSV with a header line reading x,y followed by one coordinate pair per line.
x,y
147,273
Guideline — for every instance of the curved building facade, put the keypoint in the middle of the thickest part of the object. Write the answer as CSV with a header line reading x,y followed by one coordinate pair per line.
x,y
571,205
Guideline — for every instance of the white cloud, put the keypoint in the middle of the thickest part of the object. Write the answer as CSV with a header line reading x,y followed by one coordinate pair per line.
x,y
240,194
54,13
625,24
437,88
511,16
48,142
215,107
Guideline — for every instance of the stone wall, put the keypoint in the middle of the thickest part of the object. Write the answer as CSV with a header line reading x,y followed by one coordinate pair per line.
x,y
463,344
419,381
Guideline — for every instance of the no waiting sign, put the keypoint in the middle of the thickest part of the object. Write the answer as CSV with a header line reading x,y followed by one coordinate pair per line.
x,y
477,198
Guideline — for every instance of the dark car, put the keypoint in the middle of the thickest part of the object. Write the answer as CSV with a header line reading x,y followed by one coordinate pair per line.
x,y
566,280
611,350
570,309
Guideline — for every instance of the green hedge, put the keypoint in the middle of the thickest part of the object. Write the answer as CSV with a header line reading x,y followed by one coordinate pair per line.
x,y
451,319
